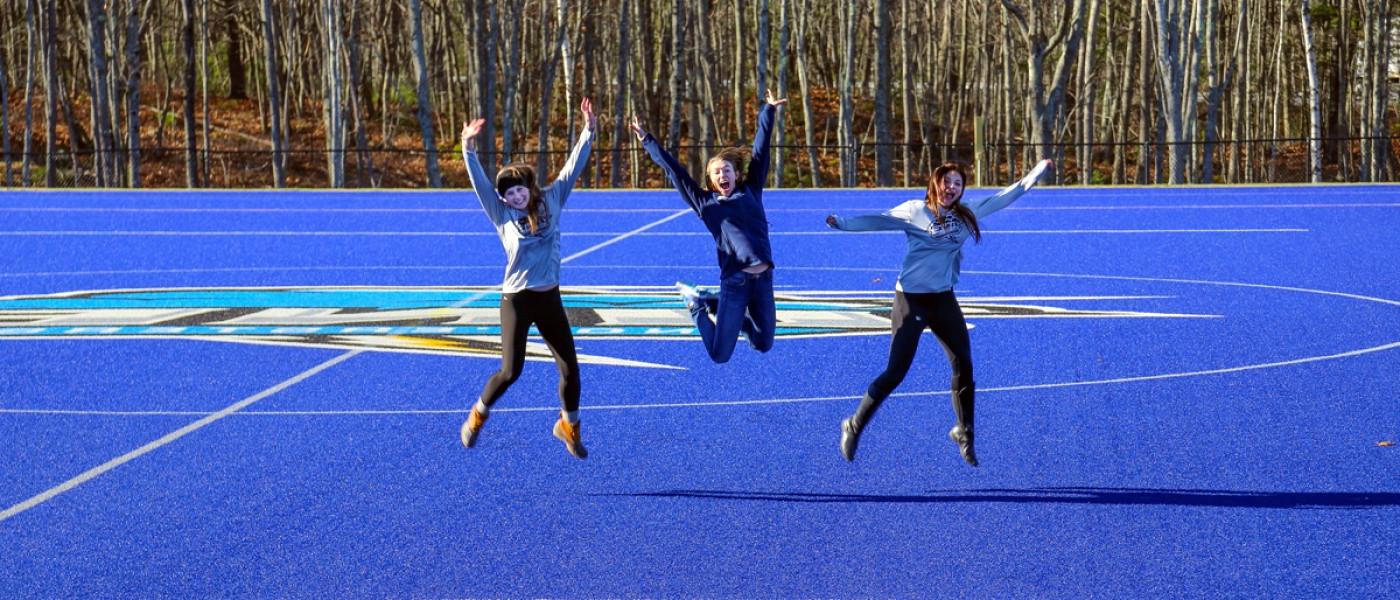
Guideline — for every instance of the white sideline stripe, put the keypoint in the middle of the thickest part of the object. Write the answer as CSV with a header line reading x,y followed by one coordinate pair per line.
x,y
97,471
231,409
639,232
763,402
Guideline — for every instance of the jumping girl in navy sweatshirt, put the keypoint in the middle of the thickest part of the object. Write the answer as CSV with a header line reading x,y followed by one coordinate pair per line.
x,y
730,203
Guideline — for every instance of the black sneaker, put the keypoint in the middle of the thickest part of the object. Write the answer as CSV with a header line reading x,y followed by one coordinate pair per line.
x,y
850,438
963,438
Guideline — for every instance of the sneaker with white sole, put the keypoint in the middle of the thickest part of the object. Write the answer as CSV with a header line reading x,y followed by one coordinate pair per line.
x,y
472,427
850,438
963,438
690,295
569,434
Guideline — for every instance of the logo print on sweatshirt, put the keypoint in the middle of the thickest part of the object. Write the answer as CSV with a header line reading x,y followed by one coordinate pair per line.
x,y
949,228
462,321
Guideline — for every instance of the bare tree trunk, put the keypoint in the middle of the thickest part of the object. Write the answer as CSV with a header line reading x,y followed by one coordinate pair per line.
x,y
514,40
364,161
51,93
808,124
1237,58
1171,69
1314,111
187,42
701,79
620,102
101,88
906,90
673,136
204,88
547,90
1043,103
848,72
274,95
5,121
335,119
237,70
135,24
567,58
1086,138
1385,159
1145,120
486,24
1216,83
1124,98
425,99
738,42
780,134
27,159
884,141
761,56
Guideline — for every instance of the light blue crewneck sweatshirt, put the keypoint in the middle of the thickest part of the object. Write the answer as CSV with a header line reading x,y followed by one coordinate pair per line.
x,y
934,258
532,260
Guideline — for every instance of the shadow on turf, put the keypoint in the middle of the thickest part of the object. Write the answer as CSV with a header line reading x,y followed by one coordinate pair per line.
x,y
1069,495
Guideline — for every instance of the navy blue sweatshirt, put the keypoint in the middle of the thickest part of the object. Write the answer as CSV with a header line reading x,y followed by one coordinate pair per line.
x,y
737,222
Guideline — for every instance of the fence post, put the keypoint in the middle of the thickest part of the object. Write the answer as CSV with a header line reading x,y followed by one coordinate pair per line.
x,y
979,147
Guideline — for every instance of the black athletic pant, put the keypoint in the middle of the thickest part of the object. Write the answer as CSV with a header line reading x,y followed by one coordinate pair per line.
x,y
545,310
911,313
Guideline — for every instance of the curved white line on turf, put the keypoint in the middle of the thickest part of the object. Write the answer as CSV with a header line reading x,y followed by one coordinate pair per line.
x,y
1262,286
573,234
762,402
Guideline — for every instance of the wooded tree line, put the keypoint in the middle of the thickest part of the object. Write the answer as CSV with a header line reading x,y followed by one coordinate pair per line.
x,y
238,93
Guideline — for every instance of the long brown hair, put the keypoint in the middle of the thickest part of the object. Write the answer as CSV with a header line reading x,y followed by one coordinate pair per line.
x,y
519,173
935,191
737,158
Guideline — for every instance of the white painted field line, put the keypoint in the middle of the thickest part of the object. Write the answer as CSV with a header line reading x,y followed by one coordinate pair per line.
x,y
168,438
723,403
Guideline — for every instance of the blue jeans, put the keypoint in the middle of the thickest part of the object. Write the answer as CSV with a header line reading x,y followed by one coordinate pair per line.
x,y
744,303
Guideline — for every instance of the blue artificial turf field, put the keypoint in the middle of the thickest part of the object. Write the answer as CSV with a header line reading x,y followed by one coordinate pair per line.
x,y
1182,392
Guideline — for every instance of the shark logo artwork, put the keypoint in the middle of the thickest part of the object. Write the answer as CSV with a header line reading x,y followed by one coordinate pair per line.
x,y
453,320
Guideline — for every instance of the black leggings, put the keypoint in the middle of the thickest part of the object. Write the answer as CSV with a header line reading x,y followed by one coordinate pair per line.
x,y
911,313
545,310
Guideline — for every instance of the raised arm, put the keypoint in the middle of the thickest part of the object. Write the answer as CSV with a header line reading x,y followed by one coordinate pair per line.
x,y
762,158
1002,199
690,191
894,219
578,159
482,183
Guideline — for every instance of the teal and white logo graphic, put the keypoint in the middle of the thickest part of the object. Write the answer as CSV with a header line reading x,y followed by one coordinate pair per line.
x,y
451,320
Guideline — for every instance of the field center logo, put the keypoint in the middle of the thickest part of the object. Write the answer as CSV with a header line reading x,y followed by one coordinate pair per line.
x,y
454,320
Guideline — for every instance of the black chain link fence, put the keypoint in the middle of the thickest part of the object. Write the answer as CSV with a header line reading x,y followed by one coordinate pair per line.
x,y
1270,161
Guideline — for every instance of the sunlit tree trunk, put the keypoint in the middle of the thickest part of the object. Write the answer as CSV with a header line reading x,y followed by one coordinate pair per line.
x,y
425,99
1314,111
274,94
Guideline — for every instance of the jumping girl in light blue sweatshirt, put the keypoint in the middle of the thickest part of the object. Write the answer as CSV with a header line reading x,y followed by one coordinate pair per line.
x,y
526,219
935,227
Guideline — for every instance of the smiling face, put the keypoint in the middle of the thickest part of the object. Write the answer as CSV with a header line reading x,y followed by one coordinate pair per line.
x,y
722,176
950,189
517,197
